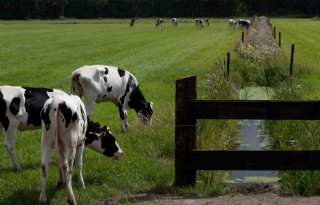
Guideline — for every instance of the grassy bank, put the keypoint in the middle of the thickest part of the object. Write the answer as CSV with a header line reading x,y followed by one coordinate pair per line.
x,y
257,66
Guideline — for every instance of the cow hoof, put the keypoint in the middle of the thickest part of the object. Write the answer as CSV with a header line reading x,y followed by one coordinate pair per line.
x,y
81,185
60,185
71,202
42,203
18,169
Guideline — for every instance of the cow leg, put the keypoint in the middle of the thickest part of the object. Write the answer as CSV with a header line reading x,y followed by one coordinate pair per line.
x,y
61,180
67,168
89,106
1,128
10,140
123,118
45,159
90,99
78,163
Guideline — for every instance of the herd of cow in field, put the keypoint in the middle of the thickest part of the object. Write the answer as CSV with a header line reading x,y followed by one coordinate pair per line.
x,y
65,121
243,23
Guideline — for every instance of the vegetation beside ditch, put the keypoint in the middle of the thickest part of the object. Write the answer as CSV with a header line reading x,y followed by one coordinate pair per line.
x,y
260,62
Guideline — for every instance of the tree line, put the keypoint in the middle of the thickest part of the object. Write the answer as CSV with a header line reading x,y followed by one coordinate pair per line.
x,y
51,9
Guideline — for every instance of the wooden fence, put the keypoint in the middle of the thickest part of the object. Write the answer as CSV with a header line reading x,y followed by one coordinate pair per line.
x,y
188,109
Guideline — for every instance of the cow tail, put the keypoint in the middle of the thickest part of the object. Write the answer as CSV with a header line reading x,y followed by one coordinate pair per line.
x,y
56,125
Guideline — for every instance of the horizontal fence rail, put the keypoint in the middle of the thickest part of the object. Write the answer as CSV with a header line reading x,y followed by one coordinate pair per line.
x,y
251,109
250,160
188,109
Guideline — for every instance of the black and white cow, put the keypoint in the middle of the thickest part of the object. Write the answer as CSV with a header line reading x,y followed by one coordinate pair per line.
x,y
20,110
101,83
207,22
64,127
174,21
159,22
244,23
199,23
232,23
132,22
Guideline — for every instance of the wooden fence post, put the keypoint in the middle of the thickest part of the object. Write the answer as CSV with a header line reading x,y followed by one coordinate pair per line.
x,y
185,131
279,39
242,37
291,59
228,64
274,32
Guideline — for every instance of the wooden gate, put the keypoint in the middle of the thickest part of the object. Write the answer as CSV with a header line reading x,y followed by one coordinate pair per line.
x,y
188,109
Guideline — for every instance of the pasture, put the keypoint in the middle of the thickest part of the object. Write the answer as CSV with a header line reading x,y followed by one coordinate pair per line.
x,y
44,53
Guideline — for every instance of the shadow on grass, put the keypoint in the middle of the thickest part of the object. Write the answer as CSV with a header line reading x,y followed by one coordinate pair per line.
x,y
24,167
157,195
24,196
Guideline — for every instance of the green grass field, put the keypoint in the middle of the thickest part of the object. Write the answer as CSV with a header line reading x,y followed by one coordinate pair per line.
x,y
44,53
303,33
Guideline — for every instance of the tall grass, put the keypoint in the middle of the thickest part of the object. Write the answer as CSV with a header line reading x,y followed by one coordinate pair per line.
x,y
268,66
217,134
296,135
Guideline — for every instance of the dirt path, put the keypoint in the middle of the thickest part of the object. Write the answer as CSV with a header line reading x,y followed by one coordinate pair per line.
x,y
269,198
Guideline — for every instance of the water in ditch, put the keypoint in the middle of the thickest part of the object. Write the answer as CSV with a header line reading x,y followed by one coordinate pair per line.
x,y
252,138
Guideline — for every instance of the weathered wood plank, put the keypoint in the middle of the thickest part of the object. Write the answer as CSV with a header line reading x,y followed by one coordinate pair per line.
x,y
185,130
251,109
249,160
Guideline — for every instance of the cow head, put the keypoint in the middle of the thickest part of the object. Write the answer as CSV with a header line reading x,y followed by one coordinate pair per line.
x,y
102,140
145,114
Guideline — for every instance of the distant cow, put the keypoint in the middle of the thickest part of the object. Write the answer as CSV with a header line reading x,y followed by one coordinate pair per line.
x,y
132,22
101,83
207,21
174,21
199,23
20,110
64,127
232,23
244,23
159,22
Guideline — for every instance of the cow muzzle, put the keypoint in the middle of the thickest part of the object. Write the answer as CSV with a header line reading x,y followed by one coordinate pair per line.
x,y
117,155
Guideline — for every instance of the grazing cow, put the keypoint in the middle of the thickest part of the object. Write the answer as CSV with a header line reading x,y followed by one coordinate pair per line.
x,y
20,110
207,22
232,24
244,23
102,140
132,22
199,23
100,83
174,21
159,22
65,127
